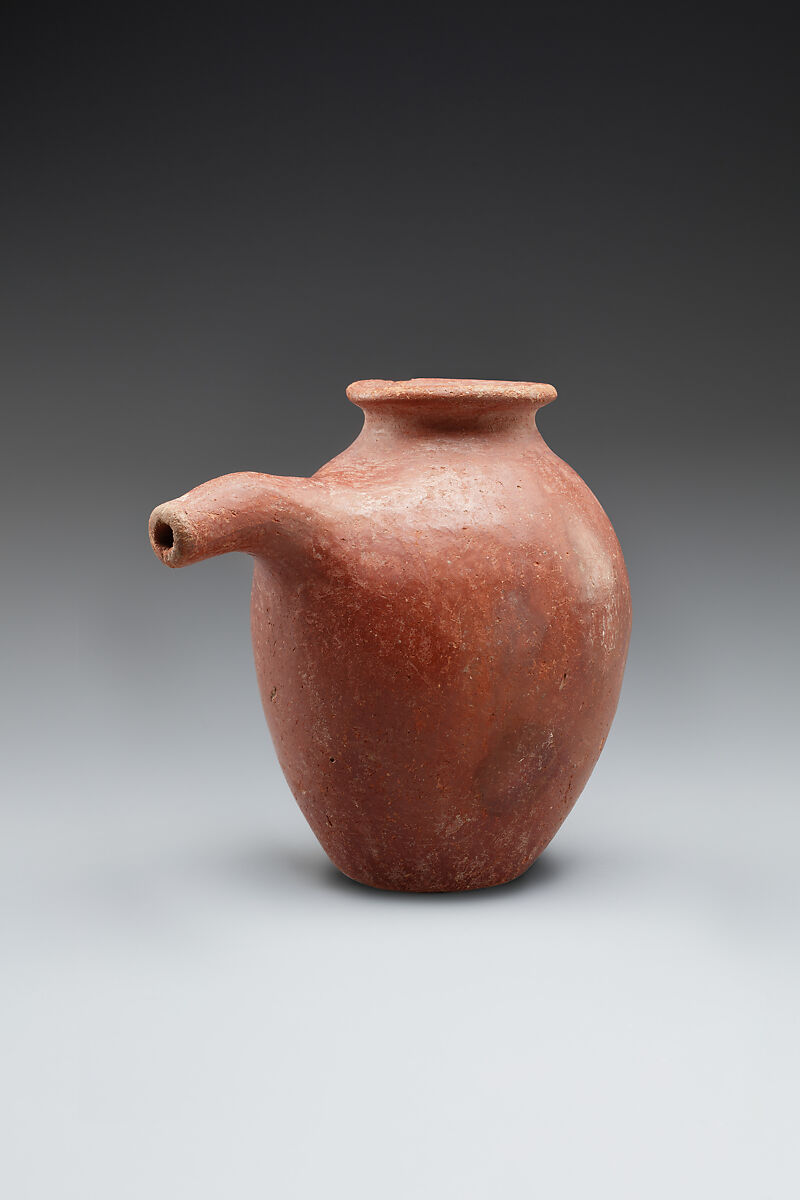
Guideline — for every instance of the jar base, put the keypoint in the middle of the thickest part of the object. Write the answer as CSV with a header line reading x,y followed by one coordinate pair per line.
x,y
416,887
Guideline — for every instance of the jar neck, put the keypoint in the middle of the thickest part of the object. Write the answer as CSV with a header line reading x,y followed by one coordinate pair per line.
x,y
430,421
445,418
449,408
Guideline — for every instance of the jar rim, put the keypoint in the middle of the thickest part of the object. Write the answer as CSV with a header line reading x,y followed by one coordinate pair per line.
x,y
418,391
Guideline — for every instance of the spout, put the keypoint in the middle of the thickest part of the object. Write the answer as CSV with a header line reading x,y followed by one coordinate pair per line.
x,y
248,512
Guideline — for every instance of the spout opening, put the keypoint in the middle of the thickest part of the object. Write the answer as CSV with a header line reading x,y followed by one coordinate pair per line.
x,y
163,535
171,535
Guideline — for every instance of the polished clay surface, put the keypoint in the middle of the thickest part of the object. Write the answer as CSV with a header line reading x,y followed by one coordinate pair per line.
x,y
440,621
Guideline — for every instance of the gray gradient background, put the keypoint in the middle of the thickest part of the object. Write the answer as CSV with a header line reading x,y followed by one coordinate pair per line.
x,y
209,229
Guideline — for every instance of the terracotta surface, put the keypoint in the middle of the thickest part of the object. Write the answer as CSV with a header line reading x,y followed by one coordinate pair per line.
x,y
440,622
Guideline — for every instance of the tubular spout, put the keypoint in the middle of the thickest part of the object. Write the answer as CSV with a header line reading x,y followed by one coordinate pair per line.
x,y
246,511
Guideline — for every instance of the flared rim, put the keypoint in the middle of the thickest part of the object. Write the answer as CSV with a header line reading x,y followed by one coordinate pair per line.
x,y
417,391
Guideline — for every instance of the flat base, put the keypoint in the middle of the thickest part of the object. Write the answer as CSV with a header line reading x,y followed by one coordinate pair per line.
x,y
412,888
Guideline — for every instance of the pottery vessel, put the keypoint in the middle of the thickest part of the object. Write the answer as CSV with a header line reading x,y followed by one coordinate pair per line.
x,y
440,621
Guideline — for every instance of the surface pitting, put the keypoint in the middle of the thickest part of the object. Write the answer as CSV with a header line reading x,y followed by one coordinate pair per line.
x,y
440,622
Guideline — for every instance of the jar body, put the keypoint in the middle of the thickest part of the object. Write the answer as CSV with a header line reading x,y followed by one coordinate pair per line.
x,y
441,678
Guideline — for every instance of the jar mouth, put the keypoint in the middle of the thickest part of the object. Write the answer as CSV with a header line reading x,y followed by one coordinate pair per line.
x,y
480,393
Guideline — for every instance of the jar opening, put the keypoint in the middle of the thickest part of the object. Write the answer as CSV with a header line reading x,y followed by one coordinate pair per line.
x,y
449,394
